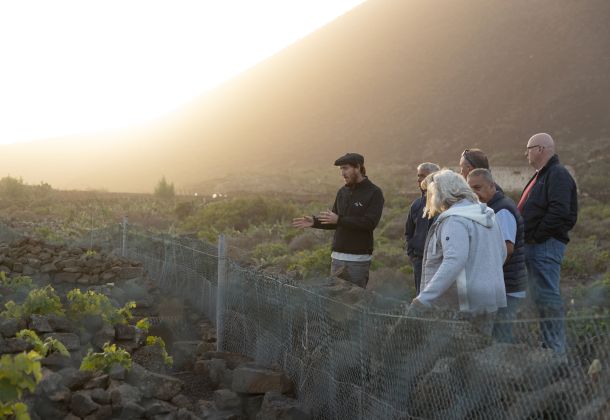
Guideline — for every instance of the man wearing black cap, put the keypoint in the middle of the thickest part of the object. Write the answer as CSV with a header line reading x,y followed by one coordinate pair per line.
x,y
355,214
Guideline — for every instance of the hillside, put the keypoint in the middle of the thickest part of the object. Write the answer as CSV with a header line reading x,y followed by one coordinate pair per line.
x,y
399,81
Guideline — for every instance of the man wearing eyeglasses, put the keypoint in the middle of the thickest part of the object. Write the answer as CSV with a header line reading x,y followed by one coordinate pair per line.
x,y
472,159
549,207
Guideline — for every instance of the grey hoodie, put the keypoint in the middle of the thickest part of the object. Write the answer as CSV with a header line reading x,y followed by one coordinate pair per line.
x,y
463,257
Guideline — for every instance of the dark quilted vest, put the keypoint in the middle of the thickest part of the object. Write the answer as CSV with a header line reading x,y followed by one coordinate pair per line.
x,y
515,273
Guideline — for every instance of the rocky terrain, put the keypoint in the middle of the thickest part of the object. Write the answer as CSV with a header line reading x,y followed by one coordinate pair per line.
x,y
200,383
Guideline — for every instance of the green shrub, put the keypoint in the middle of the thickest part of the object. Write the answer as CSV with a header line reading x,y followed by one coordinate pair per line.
x,y
588,322
47,234
123,315
595,182
13,188
304,241
164,190
93,303
593,296
394,228
406,269
102,361
312,263
594,211
153,340
389,254
376,264
44,348
267,251
143,324
18,374
585,258
184,209
38,301
208,233
239,214
15,283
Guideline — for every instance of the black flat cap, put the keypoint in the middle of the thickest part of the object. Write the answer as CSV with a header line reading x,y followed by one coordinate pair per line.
x,y
350,159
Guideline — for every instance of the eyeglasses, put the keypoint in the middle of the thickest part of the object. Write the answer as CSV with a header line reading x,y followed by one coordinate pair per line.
x,y
531,147
465,154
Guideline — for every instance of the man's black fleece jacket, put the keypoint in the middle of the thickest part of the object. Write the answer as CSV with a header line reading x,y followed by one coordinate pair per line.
x,y
359,208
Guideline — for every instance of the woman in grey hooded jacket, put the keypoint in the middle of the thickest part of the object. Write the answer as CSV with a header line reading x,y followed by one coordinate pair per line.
x,y
464,251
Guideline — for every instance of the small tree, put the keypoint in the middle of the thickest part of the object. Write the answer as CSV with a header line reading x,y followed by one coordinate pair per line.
x,y
164,189
13,188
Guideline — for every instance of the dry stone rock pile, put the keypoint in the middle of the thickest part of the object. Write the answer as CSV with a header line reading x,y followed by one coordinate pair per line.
x,y
201,384
58,264
246,390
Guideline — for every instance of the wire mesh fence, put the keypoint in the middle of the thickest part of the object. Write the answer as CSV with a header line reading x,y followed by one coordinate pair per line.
x,y
354,355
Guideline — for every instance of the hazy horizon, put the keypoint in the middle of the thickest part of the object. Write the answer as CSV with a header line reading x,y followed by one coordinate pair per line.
x,y
100,81
378,81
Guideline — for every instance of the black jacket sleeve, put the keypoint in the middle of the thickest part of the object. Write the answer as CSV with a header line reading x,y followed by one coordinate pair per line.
x,y
410,230
559,194
370,218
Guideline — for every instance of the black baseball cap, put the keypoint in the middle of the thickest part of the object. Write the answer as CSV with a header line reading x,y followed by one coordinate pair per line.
x,y
350,159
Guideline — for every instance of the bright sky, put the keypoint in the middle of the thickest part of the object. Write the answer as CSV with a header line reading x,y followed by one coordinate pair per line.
x,y
77,66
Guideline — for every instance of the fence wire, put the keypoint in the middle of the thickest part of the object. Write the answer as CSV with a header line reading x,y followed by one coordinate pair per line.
x,y
353,355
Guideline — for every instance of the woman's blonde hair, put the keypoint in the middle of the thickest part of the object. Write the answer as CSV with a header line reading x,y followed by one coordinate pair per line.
x,y
445,188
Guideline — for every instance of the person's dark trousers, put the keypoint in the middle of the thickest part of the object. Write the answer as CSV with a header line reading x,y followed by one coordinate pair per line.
x,y
503,326
417,262
543,263
356,272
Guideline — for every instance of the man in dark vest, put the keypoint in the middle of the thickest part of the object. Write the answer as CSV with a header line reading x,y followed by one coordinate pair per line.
x,y
354,216
511,224
549,205
416,227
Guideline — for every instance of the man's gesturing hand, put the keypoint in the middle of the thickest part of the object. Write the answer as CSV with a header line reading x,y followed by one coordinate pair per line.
x,y
328,218
302,222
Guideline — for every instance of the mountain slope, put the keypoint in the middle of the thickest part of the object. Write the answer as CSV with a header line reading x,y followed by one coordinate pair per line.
x,y
398,81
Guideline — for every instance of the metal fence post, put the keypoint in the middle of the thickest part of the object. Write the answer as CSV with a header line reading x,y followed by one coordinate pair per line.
x,y
91,239
124,244
220,292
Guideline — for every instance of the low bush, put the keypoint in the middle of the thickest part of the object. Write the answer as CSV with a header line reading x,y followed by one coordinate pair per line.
x,y
153,340
303,242
46,347
18,374
15,283
102,361
38,301
268,251
585,258
593,296
92,303
143,325
184,210
311,263
239,214
13,188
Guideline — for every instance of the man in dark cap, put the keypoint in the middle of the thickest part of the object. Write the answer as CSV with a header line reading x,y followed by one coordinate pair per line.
x,y
354,216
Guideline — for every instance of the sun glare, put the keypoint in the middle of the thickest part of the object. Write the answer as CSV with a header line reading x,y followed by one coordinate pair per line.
x,y
72,66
